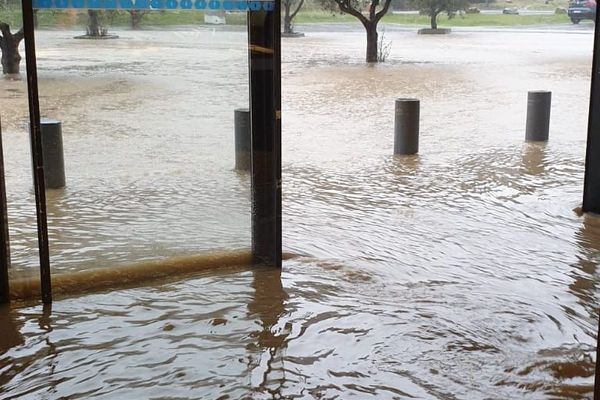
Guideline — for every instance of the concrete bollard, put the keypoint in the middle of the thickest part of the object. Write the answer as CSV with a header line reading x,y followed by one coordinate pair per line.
x,y
242,139
406,126
52,153
538,115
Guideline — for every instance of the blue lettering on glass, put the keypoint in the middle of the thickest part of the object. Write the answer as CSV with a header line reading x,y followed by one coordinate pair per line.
x,y
235,5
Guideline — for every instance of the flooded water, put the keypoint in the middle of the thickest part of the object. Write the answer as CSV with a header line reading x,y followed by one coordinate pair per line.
x,y
460,273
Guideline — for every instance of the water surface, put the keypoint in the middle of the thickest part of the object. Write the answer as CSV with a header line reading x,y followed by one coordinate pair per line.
x,y
460,273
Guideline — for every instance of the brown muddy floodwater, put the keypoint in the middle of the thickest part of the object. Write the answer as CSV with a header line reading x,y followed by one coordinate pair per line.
x,y
461,273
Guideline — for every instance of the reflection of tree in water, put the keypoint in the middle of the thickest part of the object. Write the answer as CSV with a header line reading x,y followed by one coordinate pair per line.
x,y
268,305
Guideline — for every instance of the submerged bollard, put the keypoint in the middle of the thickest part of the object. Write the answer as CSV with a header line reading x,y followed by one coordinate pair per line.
x,y
538,115
242,139
406,126
52,153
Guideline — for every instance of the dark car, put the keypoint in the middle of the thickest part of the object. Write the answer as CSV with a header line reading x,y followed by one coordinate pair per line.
x,y
582,9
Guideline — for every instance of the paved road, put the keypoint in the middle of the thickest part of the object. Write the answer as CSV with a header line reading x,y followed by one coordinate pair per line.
x,y
586,27
522,11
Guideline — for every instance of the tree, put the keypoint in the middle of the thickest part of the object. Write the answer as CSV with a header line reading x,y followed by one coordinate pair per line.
x,y
97,21
289,17
93,27
136,17
375,11
433,8
9,44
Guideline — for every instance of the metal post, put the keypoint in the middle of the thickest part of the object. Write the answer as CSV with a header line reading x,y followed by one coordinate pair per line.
x,y
591,183
4,239
538,115
406,126
264,36
597,372
36,151
242,139
54,160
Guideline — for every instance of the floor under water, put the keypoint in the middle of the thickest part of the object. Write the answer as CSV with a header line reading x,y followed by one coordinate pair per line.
x,y
460,273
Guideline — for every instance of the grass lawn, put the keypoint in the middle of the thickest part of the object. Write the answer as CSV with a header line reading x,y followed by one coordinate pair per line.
x,y
316,17
71,18
480,20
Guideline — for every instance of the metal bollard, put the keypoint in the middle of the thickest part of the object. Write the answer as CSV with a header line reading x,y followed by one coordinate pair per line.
x,y
242,139
52,153
538,115
406,126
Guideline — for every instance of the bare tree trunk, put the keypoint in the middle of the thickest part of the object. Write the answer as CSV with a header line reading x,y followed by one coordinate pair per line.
x,y
287,19
434,15
287,25
371,42
93,28
136,18
370,22
9,44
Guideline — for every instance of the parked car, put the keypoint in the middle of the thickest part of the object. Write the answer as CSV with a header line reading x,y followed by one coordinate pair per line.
x,y
582,9
511,11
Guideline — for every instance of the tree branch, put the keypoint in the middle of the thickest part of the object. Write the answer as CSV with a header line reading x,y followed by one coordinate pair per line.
x,y
5,29
297,9
372,9
19,35
348,9
384,11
